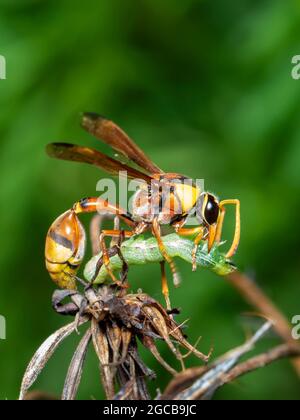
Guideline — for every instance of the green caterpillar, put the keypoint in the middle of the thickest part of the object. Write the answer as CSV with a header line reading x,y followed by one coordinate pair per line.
x,y
140,251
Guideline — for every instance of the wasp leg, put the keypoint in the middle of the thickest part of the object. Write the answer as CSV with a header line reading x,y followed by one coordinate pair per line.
x,y
220,224
105,254
111,253
176,279
164,285
125,268
93,205
95,229
237,232
199,232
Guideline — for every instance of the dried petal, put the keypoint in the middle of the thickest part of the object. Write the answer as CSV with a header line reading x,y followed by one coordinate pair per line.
x,y
126,338
135,391
102,350
149,343
158,322
43,354
178,336
145,371
75,370
173,329
114,336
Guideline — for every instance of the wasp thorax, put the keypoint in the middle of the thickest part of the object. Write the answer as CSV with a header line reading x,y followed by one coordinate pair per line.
x,y
142,206
187,195
164,199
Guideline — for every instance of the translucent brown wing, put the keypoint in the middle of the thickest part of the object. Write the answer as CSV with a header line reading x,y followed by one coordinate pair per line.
x,y
114,136
72,152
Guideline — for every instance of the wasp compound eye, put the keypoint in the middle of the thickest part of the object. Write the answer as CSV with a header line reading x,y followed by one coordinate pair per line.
x,y
211,212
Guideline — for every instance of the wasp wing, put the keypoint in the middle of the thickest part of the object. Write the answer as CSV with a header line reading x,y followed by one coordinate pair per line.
x,y
115,137
72,152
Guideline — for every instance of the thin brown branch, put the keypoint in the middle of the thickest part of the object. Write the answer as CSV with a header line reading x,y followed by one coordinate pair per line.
x,y
95,230
261,361
95,233
200,383
252,293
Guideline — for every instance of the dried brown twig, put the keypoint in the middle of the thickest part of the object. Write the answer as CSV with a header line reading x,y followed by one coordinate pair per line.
x,y
262,360
252,293
200,383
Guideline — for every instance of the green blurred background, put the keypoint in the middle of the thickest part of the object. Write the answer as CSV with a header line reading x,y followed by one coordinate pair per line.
x,y
205,88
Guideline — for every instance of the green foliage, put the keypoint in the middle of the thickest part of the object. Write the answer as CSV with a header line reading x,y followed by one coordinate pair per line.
x,y
205,88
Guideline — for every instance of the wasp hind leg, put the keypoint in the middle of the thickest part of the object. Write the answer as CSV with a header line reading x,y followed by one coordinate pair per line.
x,y
106,253
164,285
176,278
93,205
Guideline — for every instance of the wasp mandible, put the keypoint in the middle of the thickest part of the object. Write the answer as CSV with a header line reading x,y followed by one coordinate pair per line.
x,y
152,206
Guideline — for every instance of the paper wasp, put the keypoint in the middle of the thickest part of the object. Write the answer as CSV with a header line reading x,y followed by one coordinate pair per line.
x,y
65,244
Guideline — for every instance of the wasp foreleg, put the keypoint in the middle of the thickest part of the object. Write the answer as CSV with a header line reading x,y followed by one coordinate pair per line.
x,y
199,232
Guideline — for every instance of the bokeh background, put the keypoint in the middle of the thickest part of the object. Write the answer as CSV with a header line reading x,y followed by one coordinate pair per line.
x,y
205,88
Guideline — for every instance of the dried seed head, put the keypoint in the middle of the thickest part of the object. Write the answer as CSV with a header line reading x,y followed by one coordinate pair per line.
x,y
117,322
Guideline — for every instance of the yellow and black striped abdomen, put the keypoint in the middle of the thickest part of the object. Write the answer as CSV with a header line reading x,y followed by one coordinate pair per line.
x,y
64,251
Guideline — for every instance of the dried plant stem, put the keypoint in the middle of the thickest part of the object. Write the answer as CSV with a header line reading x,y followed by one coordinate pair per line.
x,y
263,360
201,383
95,226
252,293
